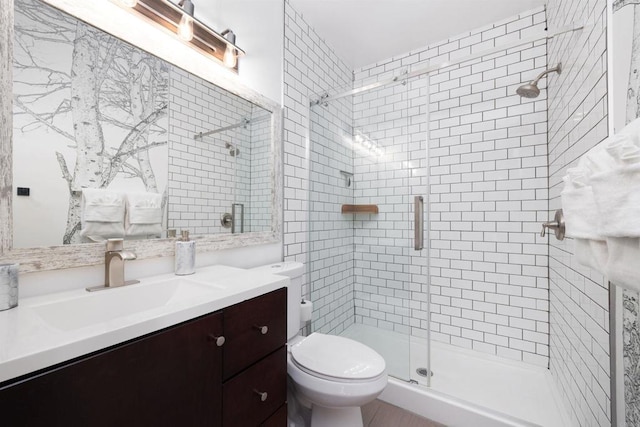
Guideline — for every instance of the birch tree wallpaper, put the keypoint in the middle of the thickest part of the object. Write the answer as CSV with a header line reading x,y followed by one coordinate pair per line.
x,y
626,108
90,111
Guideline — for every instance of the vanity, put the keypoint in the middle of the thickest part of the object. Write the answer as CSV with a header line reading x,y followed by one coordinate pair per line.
x,y
211,351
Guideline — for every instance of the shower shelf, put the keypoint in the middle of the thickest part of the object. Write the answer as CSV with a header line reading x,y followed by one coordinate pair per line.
x,y
369,209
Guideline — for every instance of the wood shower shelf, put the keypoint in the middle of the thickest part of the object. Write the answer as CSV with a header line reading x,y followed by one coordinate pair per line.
x,y
369,209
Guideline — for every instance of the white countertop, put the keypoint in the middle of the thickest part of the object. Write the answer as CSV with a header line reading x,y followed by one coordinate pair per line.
x,y
28,342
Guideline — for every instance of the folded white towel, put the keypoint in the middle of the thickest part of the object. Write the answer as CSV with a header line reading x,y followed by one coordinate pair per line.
x,y
623,267
617,197
144,214
102,214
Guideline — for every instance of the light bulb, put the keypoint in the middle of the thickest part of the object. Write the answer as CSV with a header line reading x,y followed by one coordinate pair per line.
x,y
185,28
229,59
130,3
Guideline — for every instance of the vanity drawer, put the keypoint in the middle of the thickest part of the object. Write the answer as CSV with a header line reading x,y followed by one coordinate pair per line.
x,y
253,329
257,393
279,419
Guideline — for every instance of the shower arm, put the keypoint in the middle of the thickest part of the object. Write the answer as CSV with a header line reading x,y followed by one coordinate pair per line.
x,y
557,69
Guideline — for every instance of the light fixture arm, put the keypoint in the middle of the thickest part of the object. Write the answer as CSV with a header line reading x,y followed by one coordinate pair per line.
x,y
229,35
187,6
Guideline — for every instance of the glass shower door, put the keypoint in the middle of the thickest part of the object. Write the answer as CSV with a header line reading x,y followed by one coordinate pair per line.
x,y
368,282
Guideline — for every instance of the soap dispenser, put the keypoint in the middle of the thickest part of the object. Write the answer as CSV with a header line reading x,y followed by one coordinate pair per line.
x,y
185,255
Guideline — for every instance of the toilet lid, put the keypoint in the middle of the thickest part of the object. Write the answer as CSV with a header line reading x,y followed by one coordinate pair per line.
x,y
337,357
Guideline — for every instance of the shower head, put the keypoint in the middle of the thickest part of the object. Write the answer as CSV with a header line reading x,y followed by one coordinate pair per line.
x,y
233,150
531,90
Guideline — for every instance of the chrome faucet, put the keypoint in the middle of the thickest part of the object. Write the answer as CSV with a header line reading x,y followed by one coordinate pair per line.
x,y
114,259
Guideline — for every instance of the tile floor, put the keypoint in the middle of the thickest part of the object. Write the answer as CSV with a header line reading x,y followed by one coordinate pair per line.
x,y
382,414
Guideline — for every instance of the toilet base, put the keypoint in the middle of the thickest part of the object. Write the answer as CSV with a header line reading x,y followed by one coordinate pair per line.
x,y
350,416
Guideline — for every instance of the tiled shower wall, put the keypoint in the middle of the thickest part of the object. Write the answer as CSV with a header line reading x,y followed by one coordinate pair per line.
x,y
253,169
311,67
204,179
203,168
259,211
488,195
331,232
579,296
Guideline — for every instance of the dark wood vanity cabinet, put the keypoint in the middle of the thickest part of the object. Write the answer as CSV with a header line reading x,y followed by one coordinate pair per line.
x,y
173,377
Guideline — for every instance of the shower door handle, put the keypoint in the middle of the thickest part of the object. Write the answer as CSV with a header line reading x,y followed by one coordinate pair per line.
x,y
418,216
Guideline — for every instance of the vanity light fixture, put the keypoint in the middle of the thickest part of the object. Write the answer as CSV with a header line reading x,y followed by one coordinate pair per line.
x,y
230,58
179,19
185,27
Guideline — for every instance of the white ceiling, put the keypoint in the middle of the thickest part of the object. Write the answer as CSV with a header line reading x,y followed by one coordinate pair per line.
x,y
363,32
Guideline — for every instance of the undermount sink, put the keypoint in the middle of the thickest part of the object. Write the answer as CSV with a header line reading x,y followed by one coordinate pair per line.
x,y
98,307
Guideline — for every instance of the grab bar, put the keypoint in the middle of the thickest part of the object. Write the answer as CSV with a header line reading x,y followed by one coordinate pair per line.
x,y
418,215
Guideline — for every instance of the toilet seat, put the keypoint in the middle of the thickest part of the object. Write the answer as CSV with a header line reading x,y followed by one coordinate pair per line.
x,y
337,359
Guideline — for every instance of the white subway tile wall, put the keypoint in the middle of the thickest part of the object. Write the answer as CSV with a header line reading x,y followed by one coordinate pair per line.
x,y
487,195
579,296
311,67
204,178
258,208
241,154
331,232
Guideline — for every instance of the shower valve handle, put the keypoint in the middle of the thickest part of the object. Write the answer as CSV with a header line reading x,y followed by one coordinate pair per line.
x,y
557,225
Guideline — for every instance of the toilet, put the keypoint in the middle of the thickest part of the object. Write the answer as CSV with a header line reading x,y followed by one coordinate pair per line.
x,y
330,375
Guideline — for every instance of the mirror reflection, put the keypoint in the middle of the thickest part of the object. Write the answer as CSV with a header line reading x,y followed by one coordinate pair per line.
x,y
110,140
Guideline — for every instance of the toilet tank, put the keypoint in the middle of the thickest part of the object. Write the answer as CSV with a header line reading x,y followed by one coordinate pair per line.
x,y
293,270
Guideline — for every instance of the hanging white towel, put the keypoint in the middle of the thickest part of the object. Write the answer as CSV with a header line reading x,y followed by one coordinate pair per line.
x,y
617,196
579,206
623,268
144,215
592,253
605,189
102,214
582,219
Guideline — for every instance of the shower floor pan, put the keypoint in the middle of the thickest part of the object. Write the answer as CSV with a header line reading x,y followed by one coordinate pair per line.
x,y
467,387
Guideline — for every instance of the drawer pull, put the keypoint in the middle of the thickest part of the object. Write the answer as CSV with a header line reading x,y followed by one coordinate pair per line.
x,y
219,340
263,329
263,394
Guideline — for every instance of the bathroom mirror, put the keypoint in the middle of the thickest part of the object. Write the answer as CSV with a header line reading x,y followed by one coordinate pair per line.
x,y
92,110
